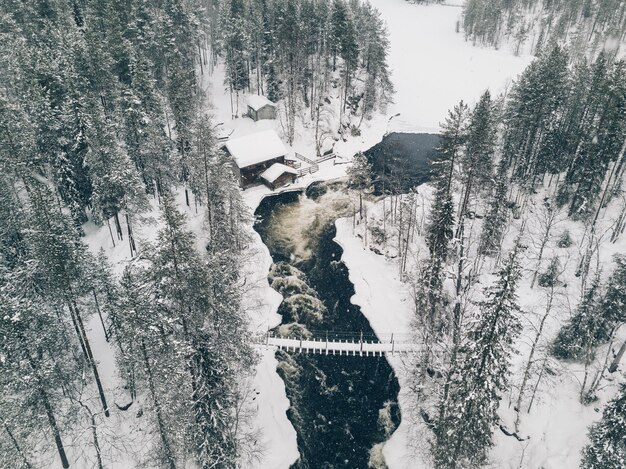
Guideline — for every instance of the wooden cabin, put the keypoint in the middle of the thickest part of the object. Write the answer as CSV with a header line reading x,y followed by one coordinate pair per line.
x,y
278,175
253,154
259,107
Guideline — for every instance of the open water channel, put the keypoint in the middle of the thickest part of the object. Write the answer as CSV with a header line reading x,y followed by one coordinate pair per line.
x,y
342,407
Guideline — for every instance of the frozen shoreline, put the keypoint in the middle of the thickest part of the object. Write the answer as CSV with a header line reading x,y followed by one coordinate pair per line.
x,y
386,303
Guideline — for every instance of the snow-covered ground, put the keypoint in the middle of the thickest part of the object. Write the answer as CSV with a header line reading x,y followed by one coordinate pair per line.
x,y
433,68
555,430
388,306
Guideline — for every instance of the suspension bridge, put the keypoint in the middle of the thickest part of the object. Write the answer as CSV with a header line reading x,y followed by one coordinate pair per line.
x,y
344,343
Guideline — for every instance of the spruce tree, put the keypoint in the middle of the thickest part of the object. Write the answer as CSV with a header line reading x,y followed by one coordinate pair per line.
x,y
578,335
37,366
464,429
186,325
607,446
494,223
453,138
440,231
595,318
477,161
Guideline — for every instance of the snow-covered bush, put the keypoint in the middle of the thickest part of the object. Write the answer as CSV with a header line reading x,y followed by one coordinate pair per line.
x,y
565,240
378,233
550,277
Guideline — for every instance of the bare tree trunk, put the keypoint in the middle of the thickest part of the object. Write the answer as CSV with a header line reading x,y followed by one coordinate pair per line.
x,y
54,427
118,226
111,232
17,447
600,373
95,298
200,57
456,327
532,398
131,237
94,433
530,359
361,205
79,335
464,202
549,222
408,240
157,409
45,400
619,225
618,358
90,358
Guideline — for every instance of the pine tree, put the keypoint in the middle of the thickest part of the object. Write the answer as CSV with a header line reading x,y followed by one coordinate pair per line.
x,y
577,336
61,257
494,223
607,447
477,162
595,317
37,365
464,429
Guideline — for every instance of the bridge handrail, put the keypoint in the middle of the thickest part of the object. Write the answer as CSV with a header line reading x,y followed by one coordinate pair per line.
x,y
328,347
347,336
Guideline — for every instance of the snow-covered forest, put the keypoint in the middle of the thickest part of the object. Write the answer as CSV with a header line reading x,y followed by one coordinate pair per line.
x,y
188,185
587,26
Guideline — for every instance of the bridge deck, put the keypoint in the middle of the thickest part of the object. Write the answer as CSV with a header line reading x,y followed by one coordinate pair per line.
x,y
331,347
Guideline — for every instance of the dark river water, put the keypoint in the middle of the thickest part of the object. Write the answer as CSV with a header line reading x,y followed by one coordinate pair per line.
x,y
342,407
401,161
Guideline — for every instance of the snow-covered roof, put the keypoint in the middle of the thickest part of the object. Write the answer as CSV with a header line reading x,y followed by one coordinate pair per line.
x,y
256,148
256,101
276,170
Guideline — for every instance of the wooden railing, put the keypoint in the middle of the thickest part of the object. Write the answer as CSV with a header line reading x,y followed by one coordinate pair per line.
x,y
293,164
324,157
304,158
308,170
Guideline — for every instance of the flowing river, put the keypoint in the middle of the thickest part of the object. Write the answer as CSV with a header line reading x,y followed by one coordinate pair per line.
x,y
342,407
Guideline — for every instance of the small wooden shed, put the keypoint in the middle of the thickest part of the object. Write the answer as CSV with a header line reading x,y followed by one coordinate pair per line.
x,y
278,175
259,107
254,153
